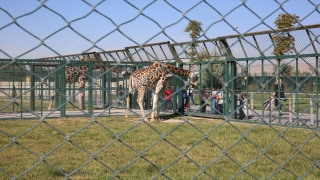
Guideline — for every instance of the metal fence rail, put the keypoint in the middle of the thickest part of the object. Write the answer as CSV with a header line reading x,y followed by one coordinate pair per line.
x,y
242,61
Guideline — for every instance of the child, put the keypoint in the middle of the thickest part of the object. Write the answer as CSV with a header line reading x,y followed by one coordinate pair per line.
x,y
246,106
203,98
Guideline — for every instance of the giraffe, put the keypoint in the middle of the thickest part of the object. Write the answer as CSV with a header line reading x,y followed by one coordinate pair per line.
x,y
154,77
79,74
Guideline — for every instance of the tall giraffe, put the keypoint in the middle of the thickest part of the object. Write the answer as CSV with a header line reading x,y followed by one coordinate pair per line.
x,y
79,74
154,77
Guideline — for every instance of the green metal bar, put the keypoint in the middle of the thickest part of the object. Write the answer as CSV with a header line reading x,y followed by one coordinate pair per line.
x,y
63,88
174,53
279,101
129,55
41,93
32,83
90,95
104,86
263,91
226,90
134,98
247,86
20,90
57,87
275,57
297,91
13,93
109,89
317,91
174,101
180,93
233,87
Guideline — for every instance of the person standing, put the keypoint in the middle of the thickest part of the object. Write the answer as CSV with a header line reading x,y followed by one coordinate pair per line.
x,y
185,98
220,101
241,114
190,91
167,96
246,106
120,93
213,101
203,99
278,94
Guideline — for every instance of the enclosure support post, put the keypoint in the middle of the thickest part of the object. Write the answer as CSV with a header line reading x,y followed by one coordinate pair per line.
x,y
90,94
57,88
104,92
180,94
317,91
297,92
32,79
109,89
233,87
62,69
226,106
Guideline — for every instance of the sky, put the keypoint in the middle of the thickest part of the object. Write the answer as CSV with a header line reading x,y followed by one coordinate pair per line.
x,y
36,29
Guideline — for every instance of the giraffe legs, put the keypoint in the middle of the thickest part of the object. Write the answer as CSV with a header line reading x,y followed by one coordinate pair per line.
x,y
51,100
155,108
128,105
141,92
154,113
81,99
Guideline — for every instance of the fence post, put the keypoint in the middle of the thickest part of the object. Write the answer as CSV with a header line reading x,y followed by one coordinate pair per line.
x,y
32,92
290,110
270,107
62,69
90,93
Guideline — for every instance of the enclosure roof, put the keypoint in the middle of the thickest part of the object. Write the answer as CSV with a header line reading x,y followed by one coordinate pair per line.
x,y
246,45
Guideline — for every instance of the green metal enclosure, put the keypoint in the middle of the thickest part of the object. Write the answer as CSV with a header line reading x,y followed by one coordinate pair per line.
x,y
242,62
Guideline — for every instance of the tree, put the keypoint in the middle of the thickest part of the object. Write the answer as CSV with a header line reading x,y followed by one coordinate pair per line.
x,y
284,42
210,70
286,69
194,28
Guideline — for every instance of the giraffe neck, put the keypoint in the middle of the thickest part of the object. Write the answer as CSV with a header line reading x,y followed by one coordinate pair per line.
x,y
177,71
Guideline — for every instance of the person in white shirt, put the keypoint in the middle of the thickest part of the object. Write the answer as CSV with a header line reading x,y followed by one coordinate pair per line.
x,y
214,96
190,94
220,101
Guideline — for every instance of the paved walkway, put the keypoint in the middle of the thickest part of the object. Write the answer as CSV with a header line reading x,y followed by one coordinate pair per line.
x,y
266,116
257,115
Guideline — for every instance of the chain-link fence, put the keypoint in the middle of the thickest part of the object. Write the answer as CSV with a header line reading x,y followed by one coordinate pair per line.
x,y
269,78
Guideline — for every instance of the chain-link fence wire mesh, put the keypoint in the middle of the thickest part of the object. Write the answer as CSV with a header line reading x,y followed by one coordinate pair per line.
x,y
250,55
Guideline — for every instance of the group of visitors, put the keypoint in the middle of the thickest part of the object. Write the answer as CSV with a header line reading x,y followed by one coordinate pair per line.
x,y
218,99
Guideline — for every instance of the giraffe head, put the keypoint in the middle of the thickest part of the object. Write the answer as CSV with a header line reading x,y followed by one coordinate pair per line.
x,y
193,78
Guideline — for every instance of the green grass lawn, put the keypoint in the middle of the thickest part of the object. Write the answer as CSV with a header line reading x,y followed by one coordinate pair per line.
x,y
110,147
24,106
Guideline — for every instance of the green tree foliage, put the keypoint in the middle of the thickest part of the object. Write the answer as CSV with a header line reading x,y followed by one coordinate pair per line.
x,y
284,42
194,28
286,69
211,73
286,20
